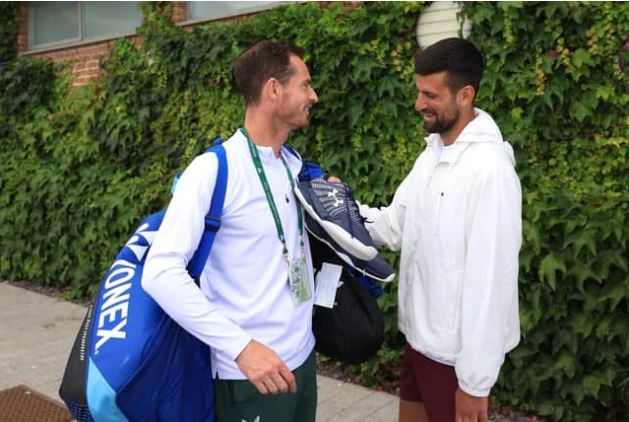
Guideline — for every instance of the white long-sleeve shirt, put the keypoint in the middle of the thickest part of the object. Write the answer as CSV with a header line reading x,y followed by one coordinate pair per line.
x,y
456,218
244,291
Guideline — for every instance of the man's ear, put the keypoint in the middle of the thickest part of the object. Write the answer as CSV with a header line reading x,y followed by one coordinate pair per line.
x,y
465,96
270,89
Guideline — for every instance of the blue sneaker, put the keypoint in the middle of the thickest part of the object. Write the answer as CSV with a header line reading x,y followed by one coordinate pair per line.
x,y
333,207
377,268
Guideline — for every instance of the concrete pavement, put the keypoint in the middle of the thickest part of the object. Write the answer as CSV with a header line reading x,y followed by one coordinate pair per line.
x,y
37,332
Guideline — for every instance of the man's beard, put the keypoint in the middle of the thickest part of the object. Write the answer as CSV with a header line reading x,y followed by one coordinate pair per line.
x,y
295,119
442,123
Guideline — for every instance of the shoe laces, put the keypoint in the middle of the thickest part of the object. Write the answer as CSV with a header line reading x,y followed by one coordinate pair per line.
x,y
352,207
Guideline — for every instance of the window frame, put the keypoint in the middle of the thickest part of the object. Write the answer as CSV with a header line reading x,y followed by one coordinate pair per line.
x,y
68,42
263,6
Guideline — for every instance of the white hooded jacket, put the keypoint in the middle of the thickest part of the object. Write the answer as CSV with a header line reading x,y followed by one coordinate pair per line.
x,y
456,218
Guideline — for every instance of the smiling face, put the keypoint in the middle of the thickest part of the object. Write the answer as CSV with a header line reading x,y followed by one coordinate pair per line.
x,y
437,103
296,96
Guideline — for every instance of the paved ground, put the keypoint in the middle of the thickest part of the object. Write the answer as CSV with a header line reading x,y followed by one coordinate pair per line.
x,y
37,331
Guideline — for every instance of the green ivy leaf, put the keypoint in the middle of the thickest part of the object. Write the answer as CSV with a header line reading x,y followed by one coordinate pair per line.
x,y
548,268
581,57
517,112
579,111
591,385
362,67
566,363
388,85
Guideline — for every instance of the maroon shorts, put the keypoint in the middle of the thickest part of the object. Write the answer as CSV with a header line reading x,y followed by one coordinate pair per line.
x,y
433,383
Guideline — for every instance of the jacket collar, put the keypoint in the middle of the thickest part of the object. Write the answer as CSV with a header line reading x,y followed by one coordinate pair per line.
x,y
481,129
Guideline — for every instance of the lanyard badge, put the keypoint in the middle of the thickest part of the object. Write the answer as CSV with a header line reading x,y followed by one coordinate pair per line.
x,y
297,271
298,280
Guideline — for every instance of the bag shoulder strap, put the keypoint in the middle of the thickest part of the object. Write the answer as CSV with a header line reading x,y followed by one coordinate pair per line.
x,y
213,217
292,151
309,169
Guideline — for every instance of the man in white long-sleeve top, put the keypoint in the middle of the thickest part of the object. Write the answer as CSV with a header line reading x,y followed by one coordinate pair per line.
x,y
456,218
254,305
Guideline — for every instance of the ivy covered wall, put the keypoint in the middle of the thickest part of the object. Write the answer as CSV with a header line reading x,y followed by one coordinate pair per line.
x,y
81,167
9,26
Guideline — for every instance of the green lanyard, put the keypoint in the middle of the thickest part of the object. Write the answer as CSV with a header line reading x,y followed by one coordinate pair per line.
x,y
269,196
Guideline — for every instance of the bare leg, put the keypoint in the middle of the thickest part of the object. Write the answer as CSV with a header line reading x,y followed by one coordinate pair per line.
x,y
412,411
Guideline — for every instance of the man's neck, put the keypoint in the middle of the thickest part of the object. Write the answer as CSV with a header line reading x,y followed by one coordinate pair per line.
x,y
450,136
263,132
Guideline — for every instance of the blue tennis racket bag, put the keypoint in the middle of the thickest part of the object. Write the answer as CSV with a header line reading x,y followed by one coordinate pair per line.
x,y
130,361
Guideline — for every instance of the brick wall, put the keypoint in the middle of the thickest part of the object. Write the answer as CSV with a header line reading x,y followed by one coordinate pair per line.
x,y
83,59
180,9
22,36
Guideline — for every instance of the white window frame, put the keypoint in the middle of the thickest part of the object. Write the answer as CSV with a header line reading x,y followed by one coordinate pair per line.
x,y
69,42
263,6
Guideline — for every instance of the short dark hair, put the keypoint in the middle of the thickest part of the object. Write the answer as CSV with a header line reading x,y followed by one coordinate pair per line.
x,y
264,60
458,57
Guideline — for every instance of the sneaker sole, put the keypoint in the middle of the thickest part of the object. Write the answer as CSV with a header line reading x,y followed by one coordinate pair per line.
x,y
349,262
352,245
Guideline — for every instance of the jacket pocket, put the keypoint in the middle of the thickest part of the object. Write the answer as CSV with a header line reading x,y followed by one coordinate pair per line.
x,y
457,299
446,300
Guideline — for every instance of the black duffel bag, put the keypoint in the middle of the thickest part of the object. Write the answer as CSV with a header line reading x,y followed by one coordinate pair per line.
x,y
353,330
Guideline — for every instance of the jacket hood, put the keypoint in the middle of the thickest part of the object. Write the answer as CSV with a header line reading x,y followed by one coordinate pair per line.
x,y
483,129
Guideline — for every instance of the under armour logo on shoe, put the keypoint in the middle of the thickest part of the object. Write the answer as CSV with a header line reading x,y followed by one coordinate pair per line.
x,y
337,201
257,419
332,205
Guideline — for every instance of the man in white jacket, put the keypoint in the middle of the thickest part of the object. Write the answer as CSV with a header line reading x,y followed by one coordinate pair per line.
x,y
254,305
456,218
